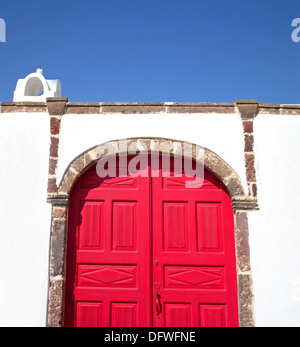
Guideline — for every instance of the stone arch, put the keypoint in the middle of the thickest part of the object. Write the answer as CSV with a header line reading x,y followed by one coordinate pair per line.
x,y
209,159
241,204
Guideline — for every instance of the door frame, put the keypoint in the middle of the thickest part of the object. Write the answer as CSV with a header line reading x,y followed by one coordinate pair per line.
x,y
241,205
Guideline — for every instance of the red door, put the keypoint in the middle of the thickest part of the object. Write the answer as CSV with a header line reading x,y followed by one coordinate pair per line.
x,y
148,251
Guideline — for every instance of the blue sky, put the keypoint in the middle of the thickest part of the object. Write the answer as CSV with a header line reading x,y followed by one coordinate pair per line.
x,y
154,50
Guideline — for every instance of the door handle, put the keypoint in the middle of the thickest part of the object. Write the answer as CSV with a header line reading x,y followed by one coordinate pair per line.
x,y
158,305
158,297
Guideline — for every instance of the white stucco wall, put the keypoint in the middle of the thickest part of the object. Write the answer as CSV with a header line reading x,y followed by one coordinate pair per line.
x,y
275,229
25,219
25,215
221,133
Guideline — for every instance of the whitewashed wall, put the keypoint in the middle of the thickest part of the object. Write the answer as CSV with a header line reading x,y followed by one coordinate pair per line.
x,y
25,219
275,229
25,216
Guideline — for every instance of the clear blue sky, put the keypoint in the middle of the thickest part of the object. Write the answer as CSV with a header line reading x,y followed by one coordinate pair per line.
x,y
154,50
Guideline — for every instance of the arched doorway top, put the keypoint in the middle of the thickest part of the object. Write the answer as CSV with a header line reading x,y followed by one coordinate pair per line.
x,y
241,204
210,160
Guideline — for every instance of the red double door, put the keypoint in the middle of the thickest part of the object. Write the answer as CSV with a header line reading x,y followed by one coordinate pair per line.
x,y
150,252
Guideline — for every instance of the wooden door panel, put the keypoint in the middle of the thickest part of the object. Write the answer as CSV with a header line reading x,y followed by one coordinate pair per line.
x,y
193,253
178,315
91,230
125,226
107,276
124,315
213,316
176,236
208,227
193,277
109,263
89,314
